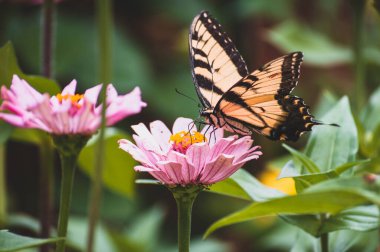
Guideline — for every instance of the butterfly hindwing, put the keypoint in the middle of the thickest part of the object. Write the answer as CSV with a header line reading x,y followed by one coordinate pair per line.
x,y
261,102
216,63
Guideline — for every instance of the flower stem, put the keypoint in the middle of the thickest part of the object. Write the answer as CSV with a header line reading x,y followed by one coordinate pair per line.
x,y
47,38
69,147
358,7
3,195
104,13
324,239
185,197
68,171
46,182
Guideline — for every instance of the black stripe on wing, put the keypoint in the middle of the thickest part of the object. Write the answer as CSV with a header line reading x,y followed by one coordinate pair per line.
x,y
298,121
216,31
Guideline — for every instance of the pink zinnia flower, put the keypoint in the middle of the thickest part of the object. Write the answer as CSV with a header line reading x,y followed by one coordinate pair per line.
x,y
183,157
67,112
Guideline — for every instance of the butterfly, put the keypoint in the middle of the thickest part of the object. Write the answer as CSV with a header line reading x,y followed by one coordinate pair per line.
x,y
243,102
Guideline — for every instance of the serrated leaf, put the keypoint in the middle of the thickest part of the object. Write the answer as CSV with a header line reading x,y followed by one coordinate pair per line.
x,y
14,242
329,147
243,185
118,173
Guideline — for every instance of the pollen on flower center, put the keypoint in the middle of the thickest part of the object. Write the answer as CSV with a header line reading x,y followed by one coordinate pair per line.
x,y
182,140
73,98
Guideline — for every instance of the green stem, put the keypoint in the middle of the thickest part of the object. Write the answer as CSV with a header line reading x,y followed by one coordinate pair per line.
x,y
47,38
358,7
46,182
3,195
185,197
324,239
68,170
104,13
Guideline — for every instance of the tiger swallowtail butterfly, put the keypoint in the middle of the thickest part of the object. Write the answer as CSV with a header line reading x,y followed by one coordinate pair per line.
x,y
243,102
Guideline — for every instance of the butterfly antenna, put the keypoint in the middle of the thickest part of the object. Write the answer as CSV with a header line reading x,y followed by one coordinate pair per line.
x,y
187,96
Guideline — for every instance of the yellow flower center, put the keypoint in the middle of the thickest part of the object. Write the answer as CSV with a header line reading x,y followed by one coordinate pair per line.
x,y
73,98
182,140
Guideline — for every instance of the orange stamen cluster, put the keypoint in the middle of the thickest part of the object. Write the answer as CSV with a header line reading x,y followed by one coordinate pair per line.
x,y
73,98
182,140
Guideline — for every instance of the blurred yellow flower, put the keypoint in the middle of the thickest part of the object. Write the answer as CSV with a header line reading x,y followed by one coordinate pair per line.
x,y
269,178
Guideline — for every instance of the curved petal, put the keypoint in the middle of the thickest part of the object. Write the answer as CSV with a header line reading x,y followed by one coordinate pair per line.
x,y
239,147
92,94
173,170
220,146
134,151
220,165
183,124
212,134
70,88
161,134
188,171
23,93
125,105
196,155
143,132
157,174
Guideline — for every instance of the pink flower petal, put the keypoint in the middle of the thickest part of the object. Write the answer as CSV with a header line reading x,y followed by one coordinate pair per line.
x,y
189,174
197,155
70,88
92,94
161,134
159,175
212,134
134,151
183,124
173,171
221,165
125,105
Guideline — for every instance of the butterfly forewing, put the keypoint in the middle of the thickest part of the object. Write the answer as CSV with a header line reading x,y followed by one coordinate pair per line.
x,y
216,63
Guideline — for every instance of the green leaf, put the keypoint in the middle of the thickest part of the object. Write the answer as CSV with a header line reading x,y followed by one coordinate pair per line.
x,y
118,173
14,242
318,48
344,167
325,103
9,67
362,218
243,185
77,232
5,131
148,181
329,146
306,161
370,114
316,199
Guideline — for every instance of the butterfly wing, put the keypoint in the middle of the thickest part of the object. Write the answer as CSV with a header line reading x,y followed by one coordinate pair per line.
x,y
216,63
261,102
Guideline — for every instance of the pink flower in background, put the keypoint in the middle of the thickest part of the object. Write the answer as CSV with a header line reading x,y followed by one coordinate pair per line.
x,y
180,157
67,112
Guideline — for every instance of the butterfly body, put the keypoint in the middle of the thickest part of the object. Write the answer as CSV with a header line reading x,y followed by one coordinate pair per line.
x,y
243,102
